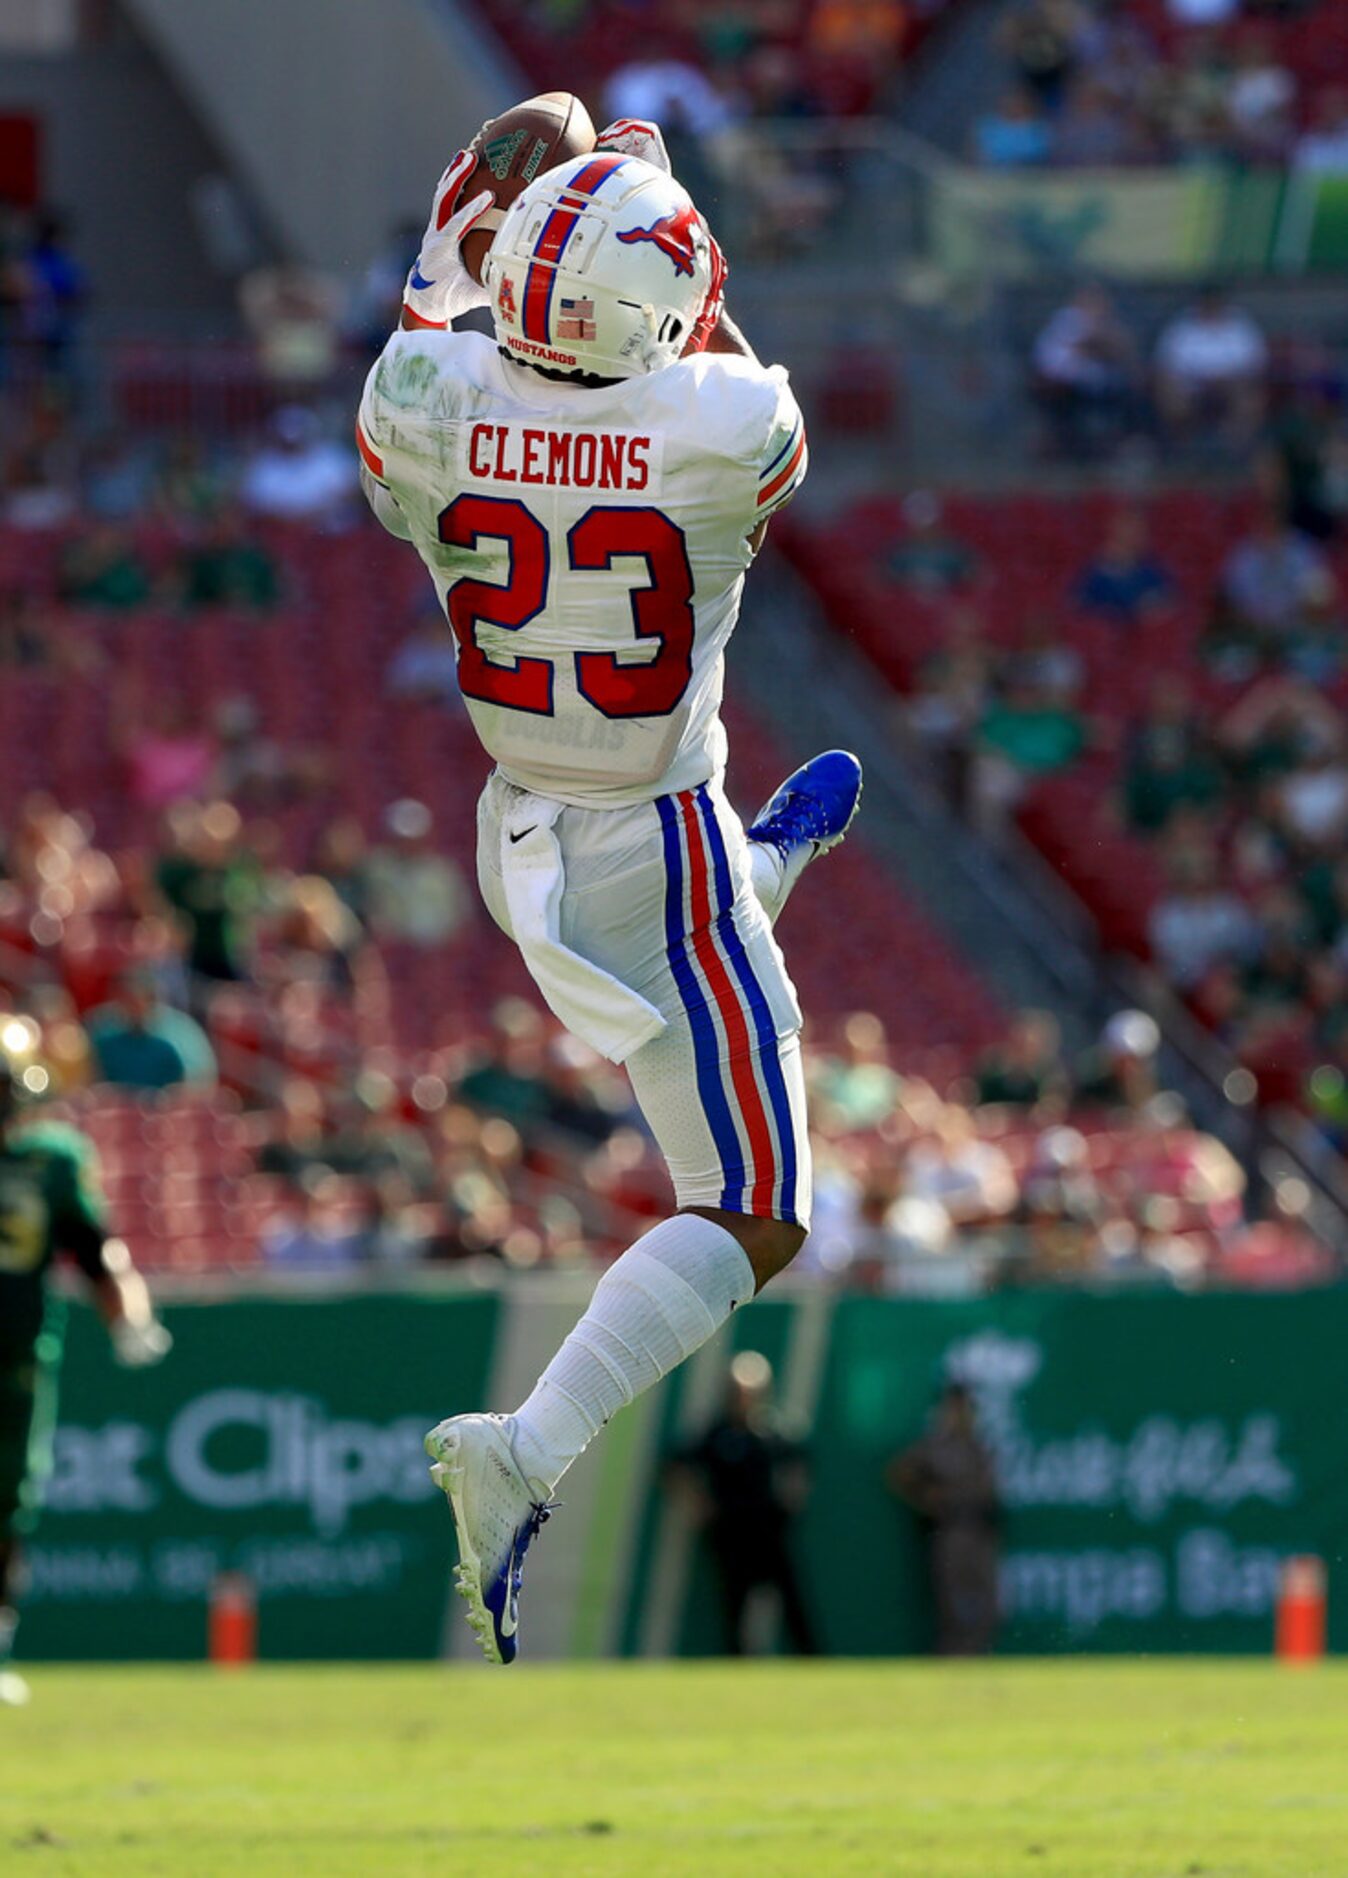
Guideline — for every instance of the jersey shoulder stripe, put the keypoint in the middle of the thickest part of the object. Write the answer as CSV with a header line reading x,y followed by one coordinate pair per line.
x,y
369,456
786,450
788,478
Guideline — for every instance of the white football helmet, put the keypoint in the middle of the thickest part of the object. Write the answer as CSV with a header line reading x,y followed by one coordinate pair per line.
x,y
601,265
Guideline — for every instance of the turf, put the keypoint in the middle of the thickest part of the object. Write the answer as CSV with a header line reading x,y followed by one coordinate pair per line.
x,y
1081,1769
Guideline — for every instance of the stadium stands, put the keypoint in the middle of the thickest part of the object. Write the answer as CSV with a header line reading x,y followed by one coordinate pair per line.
x,y
325,1039
1019,598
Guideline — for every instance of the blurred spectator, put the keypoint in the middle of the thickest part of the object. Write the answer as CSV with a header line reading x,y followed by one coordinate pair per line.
x,y
1197,923
948,1477
1120,1072
929,557
1044,661
425,667
299,475
671,93
1026,733
369,1139
1273,726
970,1178
39,469
168,759
754,1483
1169,760
208,878
509,1078
257,772
1278,972
190,486
313,935
340,858
1015,134
1039,39
1093,131
1126,583
140,1043
416,895
53,864
1057,1181
314,1232
376,305
390,1231
1271,580
1211,366
116,477
296,1139
26,631
103,567
1202,12
1300,470
583,1099
228,566
292,314
1027,1068
864,36
953,693
1261,100
1087,374
1312,799
55,293
857,1081
1322,148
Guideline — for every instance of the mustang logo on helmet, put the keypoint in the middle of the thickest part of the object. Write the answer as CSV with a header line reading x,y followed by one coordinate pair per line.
x,y
673,236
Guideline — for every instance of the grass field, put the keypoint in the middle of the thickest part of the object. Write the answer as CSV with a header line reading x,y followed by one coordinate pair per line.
x,y
1083,1769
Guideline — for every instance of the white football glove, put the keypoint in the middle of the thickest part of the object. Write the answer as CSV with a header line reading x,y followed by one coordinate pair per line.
x,y
138,1346
635,137
439,287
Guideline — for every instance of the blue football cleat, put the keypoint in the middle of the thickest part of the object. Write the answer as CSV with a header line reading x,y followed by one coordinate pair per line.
x,y
813,808
497,1515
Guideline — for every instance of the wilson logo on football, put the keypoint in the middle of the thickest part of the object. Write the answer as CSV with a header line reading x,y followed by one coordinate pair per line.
x,y
673,236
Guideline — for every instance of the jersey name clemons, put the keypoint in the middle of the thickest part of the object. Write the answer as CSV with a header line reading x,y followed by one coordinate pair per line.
x,y
620,460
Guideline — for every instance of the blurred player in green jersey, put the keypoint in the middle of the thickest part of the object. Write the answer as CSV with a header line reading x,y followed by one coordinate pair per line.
x,y
50,1203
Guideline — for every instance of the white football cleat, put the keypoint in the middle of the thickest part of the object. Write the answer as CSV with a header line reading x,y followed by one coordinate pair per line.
x,y
496,1515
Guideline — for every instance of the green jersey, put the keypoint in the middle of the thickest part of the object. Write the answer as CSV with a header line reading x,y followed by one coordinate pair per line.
x,y
50,1201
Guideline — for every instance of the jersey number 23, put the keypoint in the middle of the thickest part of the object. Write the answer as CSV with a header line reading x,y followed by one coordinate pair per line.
x,y
662,610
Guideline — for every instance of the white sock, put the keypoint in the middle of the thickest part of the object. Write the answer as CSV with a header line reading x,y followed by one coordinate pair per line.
x,y
773,874
661,1301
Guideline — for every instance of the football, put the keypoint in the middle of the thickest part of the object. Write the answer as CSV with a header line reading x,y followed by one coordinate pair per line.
x,y
514,148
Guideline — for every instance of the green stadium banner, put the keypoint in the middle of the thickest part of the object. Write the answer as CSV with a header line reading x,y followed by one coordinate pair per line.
x,y
1162,224
1160,1455
281,1439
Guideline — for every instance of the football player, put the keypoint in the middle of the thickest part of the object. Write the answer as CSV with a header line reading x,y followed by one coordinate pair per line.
x,y
587,490
50,1202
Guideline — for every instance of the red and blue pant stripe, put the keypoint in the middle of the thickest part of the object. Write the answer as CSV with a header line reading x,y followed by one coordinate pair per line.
x,y
739,1077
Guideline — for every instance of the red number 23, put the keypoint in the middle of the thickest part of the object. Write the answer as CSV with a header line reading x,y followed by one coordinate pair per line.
x,y
661,610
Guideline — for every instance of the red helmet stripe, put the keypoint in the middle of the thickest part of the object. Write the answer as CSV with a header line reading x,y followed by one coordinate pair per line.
x,y
535,315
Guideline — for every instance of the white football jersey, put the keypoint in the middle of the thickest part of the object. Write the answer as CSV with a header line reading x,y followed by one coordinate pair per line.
x,y
588,546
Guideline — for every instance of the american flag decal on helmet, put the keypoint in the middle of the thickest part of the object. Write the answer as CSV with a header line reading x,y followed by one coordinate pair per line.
x,y
575,319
